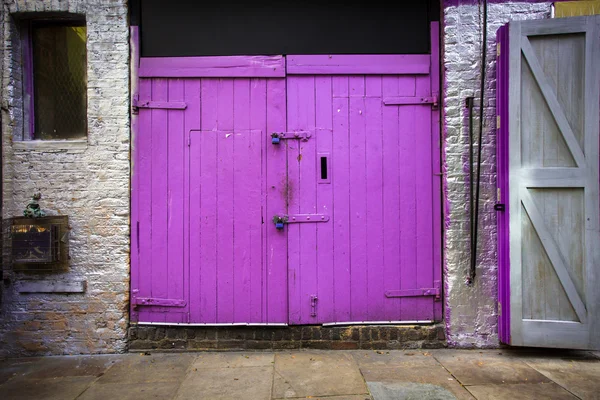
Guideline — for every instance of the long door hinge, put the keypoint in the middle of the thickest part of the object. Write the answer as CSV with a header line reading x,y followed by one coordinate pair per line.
x,y
136,104
434,291
152,301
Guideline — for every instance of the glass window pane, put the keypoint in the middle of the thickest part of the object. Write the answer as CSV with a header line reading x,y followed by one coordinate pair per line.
x,y
60,81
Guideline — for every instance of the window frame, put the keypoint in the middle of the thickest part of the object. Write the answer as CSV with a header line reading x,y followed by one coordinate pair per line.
x,y
28,81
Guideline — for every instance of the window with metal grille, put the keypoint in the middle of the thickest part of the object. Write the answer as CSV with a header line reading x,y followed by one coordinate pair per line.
x,y
55,76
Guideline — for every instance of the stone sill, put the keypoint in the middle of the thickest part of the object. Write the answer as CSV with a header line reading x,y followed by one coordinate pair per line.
x,y
51,145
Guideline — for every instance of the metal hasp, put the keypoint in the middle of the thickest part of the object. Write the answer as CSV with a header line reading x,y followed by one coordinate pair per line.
x,y
313,305
302,218
136,104
434,291
281,220
277,137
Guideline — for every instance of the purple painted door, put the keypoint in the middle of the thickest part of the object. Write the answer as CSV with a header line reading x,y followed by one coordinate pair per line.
x,y
356,175
366,177
206,181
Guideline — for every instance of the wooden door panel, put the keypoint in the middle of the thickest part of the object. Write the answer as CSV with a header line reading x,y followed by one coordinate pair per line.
x,y
552,101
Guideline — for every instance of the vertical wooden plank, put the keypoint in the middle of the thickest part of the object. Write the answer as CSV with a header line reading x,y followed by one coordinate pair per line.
x,y
306,160
358,200
192,214
592,190
207,176
424,200
341,189
392,244
408,125
225,202
244,201
276,287
258,229
134,41
143,170
374,193
295,277
175,196
159,192
324,202
436,150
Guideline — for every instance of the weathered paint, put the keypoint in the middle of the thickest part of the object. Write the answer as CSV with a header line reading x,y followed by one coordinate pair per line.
x,y
471,311
377,235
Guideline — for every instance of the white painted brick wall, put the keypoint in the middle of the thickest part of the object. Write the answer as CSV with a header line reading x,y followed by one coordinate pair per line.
x,y
89,185
471,311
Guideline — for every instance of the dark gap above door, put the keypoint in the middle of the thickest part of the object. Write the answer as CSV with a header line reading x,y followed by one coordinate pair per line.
x,y
233,27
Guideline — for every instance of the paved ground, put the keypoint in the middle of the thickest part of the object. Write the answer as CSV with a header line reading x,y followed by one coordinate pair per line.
x,y
327,375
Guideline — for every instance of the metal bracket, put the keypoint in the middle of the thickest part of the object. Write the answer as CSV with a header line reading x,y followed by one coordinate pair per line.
x,y
411,100
434,291
302,218
150,301
136,104
301,135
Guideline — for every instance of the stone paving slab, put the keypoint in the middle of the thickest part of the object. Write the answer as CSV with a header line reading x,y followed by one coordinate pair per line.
x,y
156,367
67,388
482,367
579,376
303,374
408,391
521,391
227,383
234,360
131,391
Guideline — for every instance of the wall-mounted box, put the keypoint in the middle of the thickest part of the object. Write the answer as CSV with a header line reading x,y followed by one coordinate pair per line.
x,y
36,244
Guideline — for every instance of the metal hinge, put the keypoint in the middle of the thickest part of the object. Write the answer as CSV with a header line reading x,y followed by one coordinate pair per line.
x,y
136,104
150,301
411,100
497,49
434,291
497,122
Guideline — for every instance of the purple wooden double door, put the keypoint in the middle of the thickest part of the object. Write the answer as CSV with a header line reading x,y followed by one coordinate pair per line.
x,y
354,175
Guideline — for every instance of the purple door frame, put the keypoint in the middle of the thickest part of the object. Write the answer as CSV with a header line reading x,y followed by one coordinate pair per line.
x,y
187,301
502,146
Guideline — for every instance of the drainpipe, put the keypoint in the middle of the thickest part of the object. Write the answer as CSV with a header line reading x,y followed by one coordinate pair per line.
x,y
475,222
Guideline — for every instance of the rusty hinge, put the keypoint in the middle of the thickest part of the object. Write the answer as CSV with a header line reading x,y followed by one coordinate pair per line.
x,y
136,104
313,305
411,100
434,291
151,301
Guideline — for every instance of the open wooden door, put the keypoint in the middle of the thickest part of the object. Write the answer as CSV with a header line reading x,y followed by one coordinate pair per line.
x,y
549,80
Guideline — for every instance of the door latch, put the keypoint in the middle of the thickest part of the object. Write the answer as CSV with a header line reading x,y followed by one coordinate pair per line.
x,y
277,137
313,305
499,207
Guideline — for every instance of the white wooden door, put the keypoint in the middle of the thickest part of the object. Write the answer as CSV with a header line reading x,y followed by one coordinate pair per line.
x,y
553,182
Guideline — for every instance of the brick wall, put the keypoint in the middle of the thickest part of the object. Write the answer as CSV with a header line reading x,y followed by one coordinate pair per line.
x,y
89,183
471,311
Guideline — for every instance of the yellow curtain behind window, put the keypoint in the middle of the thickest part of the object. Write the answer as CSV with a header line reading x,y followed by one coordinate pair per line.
x,y
576,8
